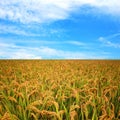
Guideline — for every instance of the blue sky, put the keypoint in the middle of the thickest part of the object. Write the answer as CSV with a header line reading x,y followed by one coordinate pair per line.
x,y
59,29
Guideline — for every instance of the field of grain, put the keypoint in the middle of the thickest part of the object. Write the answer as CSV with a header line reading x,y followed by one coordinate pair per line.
x,y
59,90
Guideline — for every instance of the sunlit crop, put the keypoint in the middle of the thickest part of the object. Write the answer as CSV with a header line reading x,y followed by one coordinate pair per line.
x,y
59,90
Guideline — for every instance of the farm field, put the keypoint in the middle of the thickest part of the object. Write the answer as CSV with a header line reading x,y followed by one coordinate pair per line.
x,y
59,89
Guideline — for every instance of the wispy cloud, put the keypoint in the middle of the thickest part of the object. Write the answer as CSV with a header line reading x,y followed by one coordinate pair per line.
x,y
39,42
78,43
111,40
12,51
26,11
29,31
9,29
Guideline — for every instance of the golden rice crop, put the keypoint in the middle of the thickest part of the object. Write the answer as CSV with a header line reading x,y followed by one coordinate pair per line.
x,y
59,89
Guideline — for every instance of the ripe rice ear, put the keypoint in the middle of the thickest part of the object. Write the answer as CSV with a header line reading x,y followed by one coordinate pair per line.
x,y
105,98
1,109
112,112
73,107
32,93
6,116
33,108
104,113
12,99
119,114
15,83
103,110
34,116
19,108
54,86
73,115
19,94
103,117
61,112
75,94
2,84
93,90
49,103
35,103
48,113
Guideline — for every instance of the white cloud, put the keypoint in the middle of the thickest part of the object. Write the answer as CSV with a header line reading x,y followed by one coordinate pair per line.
x,y
78,43
26,11
23,54
18,30
4,45
111,40
32,10
12,30
30,30
12,51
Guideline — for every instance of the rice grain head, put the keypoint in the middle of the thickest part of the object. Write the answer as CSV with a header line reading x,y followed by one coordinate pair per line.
x,y
12,99
73,115
6,116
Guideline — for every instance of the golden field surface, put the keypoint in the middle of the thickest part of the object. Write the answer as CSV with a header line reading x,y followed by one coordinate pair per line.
x,y
59,89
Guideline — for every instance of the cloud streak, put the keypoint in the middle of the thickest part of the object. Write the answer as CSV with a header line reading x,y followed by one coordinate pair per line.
x,y
111,40
27,11
9,29
77,43
12,51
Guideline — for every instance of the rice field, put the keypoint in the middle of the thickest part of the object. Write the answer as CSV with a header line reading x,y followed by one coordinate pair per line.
x,y
59,89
